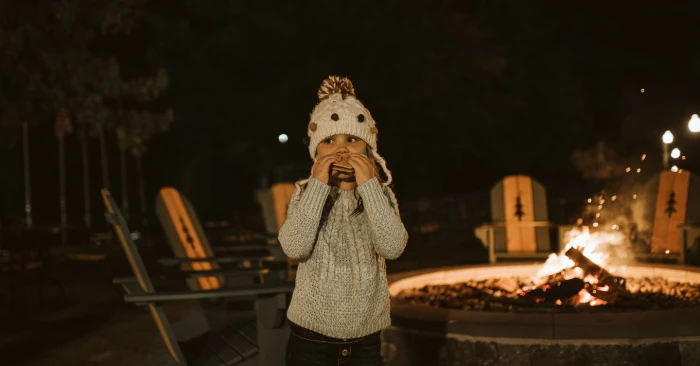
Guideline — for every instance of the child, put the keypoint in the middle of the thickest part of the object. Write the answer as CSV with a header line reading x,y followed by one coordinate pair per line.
x,y
341,225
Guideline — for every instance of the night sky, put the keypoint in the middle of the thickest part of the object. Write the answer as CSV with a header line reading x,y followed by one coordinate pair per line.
x,y
463,92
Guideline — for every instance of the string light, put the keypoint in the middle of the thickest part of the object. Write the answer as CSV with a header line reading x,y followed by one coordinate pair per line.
x,y
639,170
644,156
628,170
634,196
613,198
674,168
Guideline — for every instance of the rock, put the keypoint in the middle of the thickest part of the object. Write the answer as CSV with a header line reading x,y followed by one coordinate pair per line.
x,y
509,284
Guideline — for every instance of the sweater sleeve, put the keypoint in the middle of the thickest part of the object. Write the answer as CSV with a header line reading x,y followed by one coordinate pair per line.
x,y
389,235
298,233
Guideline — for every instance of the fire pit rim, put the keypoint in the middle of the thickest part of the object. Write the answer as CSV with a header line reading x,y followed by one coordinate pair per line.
x,y
643,324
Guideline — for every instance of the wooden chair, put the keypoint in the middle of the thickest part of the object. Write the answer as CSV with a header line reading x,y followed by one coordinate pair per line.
x,y
194,252
274,202
673,206
519,228
211,337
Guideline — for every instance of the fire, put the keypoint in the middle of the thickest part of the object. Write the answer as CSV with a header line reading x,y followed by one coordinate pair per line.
x,y
594,246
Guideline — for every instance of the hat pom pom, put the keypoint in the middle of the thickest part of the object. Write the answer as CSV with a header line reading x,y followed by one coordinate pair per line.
x,y
336,84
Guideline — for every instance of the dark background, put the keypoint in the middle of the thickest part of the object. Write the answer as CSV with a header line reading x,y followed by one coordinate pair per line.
x,y
463,92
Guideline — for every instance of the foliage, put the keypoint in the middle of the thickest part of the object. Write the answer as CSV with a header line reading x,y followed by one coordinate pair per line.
x,y
49,62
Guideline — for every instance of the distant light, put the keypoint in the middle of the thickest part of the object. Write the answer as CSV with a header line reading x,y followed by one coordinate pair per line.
x,y
283,138
667,251
628,169
634,196
667,138
674,168
694,123
676,153
595,224
683,157
644,156
613,198
639,170
642,90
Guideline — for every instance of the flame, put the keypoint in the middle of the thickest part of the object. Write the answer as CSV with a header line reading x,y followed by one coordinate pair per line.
x,y
594,246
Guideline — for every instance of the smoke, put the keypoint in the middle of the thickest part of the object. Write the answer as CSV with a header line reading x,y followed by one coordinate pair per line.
x,y
623,205
597,162
622,209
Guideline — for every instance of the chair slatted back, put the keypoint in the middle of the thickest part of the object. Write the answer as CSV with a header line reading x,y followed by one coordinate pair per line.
x,y
518,201
677,203
186,236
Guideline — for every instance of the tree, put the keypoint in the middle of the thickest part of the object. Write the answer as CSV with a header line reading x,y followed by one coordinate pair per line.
x,y
51,63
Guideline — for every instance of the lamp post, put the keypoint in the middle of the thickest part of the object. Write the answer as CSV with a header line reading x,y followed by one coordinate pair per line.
x,y
667,139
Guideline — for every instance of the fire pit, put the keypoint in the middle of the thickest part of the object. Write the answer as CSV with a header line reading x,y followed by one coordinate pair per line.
x,y
576,309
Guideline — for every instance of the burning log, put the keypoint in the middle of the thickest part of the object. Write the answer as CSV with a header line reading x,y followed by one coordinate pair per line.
x,y
558,290
587,265
608,287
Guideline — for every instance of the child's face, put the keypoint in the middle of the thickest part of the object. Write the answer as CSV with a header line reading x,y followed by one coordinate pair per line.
x,y
342,145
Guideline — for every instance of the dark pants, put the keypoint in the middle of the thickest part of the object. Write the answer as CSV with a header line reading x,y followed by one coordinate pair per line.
x,y
308,348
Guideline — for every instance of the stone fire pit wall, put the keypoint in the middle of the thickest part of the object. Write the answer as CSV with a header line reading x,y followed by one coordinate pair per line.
x,y
425,336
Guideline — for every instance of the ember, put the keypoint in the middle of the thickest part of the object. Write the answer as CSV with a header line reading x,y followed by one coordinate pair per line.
x,y
642,294
572,281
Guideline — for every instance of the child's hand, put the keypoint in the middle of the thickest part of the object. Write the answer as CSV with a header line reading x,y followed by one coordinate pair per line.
x,y
322,167
364,169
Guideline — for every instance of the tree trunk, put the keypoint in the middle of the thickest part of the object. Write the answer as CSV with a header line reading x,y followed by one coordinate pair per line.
x,y
103,158
62,188
125,188
27,177
142,190
86,178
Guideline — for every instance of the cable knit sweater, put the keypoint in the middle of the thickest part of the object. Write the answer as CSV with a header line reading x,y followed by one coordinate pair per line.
x,y
341,288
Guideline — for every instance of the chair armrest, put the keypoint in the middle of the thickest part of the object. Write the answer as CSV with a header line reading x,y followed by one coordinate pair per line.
x,y
124,280
224,272
142,297
245,247
176,261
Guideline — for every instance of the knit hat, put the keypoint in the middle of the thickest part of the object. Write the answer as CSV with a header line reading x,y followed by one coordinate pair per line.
x,y
340,112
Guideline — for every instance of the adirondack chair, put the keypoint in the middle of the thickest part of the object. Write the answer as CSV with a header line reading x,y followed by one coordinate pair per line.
x,y
519,228
673,206
212,337
190,244
273,202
